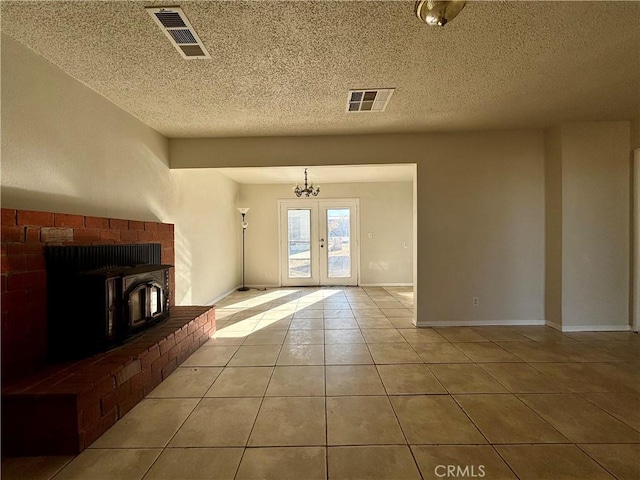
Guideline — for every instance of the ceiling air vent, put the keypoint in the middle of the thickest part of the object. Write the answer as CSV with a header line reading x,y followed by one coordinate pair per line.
x,y
175,25
369,100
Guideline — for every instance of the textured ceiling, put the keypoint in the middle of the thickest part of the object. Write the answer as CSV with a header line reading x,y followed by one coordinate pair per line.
x,y
284,68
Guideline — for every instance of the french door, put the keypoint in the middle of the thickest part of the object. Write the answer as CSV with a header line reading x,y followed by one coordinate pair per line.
x,y
319,242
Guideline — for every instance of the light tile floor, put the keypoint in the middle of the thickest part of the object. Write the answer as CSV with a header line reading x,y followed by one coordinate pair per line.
x,y
316,383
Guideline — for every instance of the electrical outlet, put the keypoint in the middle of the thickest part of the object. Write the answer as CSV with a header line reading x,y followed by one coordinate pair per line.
x,y
370,235
476,301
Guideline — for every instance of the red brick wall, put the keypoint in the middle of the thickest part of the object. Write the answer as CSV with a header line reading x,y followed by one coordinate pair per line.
x,y
25,234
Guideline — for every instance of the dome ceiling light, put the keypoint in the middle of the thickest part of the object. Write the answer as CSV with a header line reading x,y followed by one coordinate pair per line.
x,y
438,13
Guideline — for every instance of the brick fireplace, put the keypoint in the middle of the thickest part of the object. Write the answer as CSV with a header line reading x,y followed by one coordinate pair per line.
x,y
25,234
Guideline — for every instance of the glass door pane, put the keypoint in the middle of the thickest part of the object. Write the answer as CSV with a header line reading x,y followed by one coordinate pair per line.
x,y
299,243
338,242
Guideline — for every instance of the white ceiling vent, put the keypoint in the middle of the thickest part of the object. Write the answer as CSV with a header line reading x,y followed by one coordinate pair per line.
x,y
175,25
369,100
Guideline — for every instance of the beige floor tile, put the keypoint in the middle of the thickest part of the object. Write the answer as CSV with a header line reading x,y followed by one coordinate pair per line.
x,y
469,461
579,420
332,337
305,337
623,461
580,378
353,380
241,382
542,334
196,464
505,419
551,462
292,354
440,353
109,464
283,463
367,312
149,424
434,419
307,323
423,335
523,378
382,335
397,312
402,323
336,305
339,314
218,422
485,352
347,354
245,326
33,468
390,304
297,381
255,356
290,421
460,334
623,373
623,406
340,323
308,314
225,339
186,382
261,337
374,322
211,356
533,351
466,378
409,379
501,334
385,353
583,352
372,463
362,421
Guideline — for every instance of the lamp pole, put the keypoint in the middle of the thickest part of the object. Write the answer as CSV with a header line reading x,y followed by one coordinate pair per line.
x,y
243,212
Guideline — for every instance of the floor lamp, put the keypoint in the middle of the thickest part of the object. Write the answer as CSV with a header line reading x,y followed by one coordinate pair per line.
x,y
243,212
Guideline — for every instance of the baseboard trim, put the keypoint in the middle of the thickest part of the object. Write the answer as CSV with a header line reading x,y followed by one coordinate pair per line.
x,y
591,328
264,286
217,299
553,325
481,323
386,285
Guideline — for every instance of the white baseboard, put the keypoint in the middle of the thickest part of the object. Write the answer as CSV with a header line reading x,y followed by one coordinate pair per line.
x,y
386,285
217,299
591,328
480,323
264,286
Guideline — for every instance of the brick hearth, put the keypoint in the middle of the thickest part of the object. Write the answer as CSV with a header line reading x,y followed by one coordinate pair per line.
x,y
64,408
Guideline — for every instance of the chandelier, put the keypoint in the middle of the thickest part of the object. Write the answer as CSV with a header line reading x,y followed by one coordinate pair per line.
x,y
308,190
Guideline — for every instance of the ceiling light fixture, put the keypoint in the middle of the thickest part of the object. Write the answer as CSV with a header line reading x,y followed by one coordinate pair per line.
x,y
438,13
308,190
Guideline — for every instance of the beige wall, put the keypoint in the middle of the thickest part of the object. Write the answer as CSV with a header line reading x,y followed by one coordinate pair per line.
x,y
207,237
386,211
553,227
480,210
67,149
596,245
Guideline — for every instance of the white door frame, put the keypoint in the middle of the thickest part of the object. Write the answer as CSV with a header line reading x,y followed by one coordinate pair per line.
x,y
307,202
635,291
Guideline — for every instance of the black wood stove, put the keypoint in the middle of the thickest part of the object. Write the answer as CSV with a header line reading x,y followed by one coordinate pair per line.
x,y
102,295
